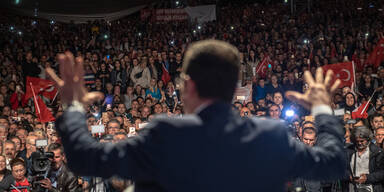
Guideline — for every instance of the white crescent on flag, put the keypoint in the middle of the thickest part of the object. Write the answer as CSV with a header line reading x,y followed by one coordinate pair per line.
x,y
50,89
348,73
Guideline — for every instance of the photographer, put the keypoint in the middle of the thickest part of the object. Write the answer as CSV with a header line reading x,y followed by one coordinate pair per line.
x,y
366,162
59,177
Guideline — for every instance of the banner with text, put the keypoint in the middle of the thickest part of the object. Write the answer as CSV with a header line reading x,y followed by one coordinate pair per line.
x,y
198,13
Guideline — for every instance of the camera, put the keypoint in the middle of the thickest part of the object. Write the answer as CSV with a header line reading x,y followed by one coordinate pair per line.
x,y
41,165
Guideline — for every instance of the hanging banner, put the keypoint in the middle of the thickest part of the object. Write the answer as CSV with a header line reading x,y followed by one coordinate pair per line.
x,y
199,13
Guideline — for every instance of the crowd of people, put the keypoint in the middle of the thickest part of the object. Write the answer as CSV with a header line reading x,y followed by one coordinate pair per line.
x,y
137,65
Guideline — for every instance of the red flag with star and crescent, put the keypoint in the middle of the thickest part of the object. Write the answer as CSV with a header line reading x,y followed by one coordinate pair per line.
x,y
343,71
44,87
263,66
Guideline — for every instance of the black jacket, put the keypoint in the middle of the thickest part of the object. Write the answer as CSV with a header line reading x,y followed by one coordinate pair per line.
x,y
66,181
214,150
376,166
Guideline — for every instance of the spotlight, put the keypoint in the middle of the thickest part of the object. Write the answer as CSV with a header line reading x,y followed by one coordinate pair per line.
x,y
177,3
232,27
20,33
105,36
198,27
52,22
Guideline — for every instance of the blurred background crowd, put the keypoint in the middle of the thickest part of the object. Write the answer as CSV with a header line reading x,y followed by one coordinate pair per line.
x,y
137,64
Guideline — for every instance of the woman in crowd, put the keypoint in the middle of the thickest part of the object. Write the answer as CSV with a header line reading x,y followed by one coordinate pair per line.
x,y
153,91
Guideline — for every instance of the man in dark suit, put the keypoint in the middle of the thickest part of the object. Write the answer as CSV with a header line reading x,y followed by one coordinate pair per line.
x,y
212,148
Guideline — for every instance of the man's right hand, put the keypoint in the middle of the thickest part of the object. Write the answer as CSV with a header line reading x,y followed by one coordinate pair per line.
x,y
319,92
46,183
71,83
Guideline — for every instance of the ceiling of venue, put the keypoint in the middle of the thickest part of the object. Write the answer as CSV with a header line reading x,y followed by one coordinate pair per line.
x,y
80,7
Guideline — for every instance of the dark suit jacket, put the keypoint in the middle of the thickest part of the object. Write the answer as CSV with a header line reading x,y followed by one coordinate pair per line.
x,y
215,150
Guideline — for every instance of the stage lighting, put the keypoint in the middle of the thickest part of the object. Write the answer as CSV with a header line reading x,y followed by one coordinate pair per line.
x,y
105,36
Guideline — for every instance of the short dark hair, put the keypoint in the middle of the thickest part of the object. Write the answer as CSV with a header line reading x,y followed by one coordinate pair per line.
x,y
114,121
55,146
17,161
214,66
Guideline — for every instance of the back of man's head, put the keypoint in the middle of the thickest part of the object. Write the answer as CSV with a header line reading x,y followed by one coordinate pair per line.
x,y
214,66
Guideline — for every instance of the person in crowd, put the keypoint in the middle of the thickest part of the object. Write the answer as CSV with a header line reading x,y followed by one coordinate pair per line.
x,y
379,136
60,178
9,151
377,120
21,183
30,148
113,127
5,175
153,91
308,138
278,100
274,85
245,112
350,102
141,75
366,167
274,111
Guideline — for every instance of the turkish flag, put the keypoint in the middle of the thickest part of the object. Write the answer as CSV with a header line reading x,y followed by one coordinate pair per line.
x,y
165,75
343,71
377,55
40,86
361,111
42,111
263,66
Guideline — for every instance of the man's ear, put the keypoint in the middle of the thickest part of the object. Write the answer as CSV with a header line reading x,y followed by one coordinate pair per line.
x,y
190,87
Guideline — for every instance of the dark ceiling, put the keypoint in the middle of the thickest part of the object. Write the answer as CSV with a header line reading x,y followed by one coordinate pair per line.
x,y
81,7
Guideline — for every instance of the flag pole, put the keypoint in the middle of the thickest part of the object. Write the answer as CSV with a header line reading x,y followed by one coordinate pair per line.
x,y
369,100
54,98
354,77
34,98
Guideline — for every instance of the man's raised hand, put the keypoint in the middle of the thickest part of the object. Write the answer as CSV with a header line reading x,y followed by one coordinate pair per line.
x,y
319,90
71,83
